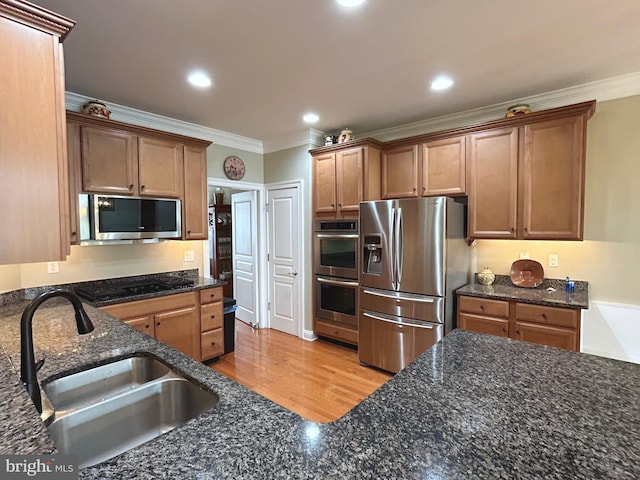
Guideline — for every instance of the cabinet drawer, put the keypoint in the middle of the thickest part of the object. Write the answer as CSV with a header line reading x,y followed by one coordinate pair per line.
x,y
212,344
562,317
151,306
210,295
335,331
211,316
479,324
484,306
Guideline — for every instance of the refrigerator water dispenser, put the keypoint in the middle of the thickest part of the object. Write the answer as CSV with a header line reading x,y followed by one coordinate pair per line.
x,y
372,255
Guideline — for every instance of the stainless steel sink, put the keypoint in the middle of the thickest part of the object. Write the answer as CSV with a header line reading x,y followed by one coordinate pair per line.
x,y
91,386
127,404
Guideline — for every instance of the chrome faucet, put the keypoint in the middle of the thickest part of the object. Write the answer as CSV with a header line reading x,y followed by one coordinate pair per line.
x,y
28,366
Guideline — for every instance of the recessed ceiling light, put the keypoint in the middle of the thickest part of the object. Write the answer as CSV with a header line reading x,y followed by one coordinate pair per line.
x,y
199,79
310,118
350,3
441,83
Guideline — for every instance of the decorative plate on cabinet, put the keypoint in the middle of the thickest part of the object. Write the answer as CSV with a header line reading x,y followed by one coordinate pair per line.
x,y
526,273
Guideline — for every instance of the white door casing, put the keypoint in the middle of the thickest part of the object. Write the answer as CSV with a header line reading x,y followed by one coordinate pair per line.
x,y
284,247
244,211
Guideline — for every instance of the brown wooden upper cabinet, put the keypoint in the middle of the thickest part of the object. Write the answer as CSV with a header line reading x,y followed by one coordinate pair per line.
x,y
345,176
115,158
33,159
527,181
121,163
425,169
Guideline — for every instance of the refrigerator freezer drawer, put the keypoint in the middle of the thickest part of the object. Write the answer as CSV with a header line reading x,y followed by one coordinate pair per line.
x,y
391,344
398,304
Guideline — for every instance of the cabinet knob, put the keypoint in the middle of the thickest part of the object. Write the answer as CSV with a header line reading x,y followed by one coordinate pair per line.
x,y
213,343
213,316
481,307
158,323
504,330
131,187
513,229
74,235
340,205
141,187
333,204
525,229
188,232
414,189
544,315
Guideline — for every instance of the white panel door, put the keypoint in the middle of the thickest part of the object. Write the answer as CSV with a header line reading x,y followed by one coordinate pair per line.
x,y
284,261
244,211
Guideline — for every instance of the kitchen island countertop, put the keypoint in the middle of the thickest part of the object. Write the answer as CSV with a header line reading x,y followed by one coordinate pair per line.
x,y
473,406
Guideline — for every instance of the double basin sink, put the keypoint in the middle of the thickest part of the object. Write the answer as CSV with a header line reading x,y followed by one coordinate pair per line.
x,y
104,411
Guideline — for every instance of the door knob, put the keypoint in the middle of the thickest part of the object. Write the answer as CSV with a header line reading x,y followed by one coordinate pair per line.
x,y
292,274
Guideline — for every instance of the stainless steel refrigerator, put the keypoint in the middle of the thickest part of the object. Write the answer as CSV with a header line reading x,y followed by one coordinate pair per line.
x,y
413,256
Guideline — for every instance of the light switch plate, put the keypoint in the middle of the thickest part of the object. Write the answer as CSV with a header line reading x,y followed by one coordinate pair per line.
x,y
53,267
553,260
524,256
189,256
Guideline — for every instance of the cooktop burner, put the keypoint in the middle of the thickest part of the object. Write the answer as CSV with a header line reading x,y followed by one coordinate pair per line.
x,y
123,289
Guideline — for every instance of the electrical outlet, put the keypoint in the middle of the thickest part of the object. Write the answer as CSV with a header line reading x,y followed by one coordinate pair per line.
x,y
53,267
524,256
189,256
553,260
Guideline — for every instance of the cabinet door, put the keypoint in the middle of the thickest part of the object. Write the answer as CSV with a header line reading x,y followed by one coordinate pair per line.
x,y
349,179
160,167
443,167
194,206
400,172
109,161
75,180
33,160
324,178
493,183
144,324
547,335
179,329
480,324
552,185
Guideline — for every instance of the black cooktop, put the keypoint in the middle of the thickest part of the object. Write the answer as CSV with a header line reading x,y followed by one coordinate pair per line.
x,y
113,290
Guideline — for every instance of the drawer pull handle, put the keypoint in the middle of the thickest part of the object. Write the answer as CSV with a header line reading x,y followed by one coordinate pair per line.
x,y
481,307
544,315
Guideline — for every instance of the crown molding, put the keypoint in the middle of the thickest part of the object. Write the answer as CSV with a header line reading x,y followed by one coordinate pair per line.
x,y
121,113
601,90
310,138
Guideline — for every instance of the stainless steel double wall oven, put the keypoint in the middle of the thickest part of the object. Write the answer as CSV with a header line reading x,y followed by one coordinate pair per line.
x,y
336,262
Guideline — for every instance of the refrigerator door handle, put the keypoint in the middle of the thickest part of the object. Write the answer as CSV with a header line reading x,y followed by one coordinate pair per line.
x,y
392,239
346,235
406,296
405,324
399,248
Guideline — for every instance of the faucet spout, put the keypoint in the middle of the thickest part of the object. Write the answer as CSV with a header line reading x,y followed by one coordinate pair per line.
x,y
28,366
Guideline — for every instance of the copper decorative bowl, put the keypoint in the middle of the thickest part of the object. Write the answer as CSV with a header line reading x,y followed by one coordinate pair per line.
x,y
526,273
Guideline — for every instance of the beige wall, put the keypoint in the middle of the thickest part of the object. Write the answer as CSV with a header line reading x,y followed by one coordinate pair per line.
x,y
295,164
104,261
609,256
252,161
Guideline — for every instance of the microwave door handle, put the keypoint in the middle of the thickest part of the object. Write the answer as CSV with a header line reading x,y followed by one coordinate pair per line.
x,y
339,283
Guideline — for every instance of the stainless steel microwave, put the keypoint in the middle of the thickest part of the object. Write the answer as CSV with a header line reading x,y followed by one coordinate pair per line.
x,y
110,217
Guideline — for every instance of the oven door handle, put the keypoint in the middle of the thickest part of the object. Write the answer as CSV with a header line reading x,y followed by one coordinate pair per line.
x,y
326,235
404,324
339,283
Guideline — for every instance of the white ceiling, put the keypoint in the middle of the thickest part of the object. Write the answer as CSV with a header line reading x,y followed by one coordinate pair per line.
x,y
367,69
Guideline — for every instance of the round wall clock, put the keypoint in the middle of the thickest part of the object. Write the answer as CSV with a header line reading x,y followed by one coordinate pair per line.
x,y
234,167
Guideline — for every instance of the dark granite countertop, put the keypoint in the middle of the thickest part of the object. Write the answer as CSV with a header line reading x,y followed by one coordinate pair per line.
x,y
550,293
472,407
198,283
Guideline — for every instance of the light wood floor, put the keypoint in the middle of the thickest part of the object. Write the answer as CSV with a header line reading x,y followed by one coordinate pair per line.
x,y
318,380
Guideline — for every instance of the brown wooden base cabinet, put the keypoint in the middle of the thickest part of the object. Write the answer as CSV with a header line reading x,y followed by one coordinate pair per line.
x,y
211,323
552,326
336,331
172,319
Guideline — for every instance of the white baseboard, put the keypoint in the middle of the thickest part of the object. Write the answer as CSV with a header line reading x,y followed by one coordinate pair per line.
x,y
309,335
